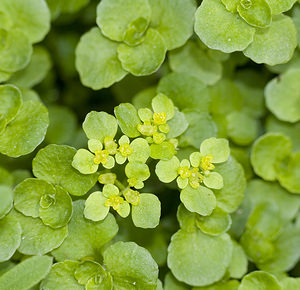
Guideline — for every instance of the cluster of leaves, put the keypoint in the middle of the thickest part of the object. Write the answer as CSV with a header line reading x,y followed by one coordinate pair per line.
x,y
202,148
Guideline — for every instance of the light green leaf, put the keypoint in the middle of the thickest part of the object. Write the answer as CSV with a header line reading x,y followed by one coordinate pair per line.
x,y
201,126
54,164
10,102
32,17
83,161
239,263
267,43
166,171
232,193
114,17
201,200
63,125
145,58
87,270
5,177
62,277
131,266
186,219
257,13
241,128
231,5
97,61
28,193
124,209
137,170
171,283
259,280
147,213
6,200
215,224
288,173
221,29
177,125
23,134
141,150
128,119
98,125
268,150
35,71
191,59
37,238
164,151
217,147
59,213
287,108
214,180
85,237
162,104
185,91
10,237
205,264
26,274
174,20
95,209
290,283
15,51
279,6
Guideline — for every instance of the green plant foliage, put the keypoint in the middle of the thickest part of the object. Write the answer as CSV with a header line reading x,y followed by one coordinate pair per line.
x,y
149,144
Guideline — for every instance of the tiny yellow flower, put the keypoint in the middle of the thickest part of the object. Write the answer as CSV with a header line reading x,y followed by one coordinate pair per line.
x,y
159,118
110,145
206,163
114,201
184,172
147,128
125,150
132,196
101,156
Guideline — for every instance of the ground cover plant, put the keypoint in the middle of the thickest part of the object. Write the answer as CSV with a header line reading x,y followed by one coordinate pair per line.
x,y
150,144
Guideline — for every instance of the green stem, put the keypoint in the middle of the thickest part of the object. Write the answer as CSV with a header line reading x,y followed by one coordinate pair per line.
x,y
120,185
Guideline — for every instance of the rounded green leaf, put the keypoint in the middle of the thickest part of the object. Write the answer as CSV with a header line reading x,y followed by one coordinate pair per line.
x,y
201,200
6,178
166,171
285,108
15,50
201,126
10,102
191,59
85,237
213,180
259,280
98,125
205,264
59,213
231,194
6,200
241,128
147,213
256,13
35,71
63,125
95,209
32,17
221,29
279,6
217,147
114,17
28,129
61,276
267,43
164,151
239,262
87,270
162,104
37,238
288,173
10,237
141,150
137,170
185,91
128,119
97,61
174,20
267,151
54,164
124,209
145,58
131,266
177,125
171,283
215,224
28,193
27,273
231,5
83,161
